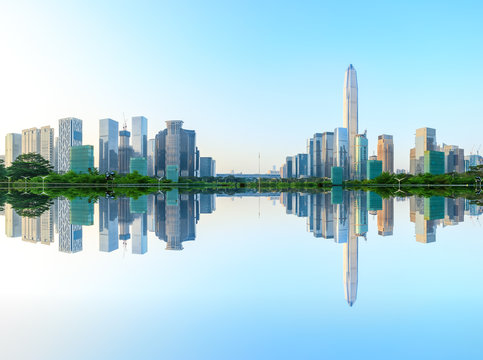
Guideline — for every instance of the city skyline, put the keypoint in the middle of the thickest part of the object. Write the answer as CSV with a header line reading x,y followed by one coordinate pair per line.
x,y
266,82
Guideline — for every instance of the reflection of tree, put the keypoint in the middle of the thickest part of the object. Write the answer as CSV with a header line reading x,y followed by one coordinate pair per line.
x,y
3,199
28,204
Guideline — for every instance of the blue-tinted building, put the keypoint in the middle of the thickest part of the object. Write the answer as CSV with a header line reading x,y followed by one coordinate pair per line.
x,y
140,136
108,146
140,165
82,159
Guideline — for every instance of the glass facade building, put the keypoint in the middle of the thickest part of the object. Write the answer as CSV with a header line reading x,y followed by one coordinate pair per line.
x,y
374,169
140,136
341,151
140,165
108,146
434,162
385,152
350,113
361,157
70,134
337,175
82,159
125,151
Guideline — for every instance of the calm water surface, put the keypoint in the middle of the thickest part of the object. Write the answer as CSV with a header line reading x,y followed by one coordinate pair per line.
x,y
343,275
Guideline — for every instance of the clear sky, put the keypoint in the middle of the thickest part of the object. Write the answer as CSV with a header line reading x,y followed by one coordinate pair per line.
x,y
248,76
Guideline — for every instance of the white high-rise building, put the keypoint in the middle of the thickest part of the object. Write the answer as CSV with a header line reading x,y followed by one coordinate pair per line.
x,y
70,134
31,141
350,112
13,148
47,144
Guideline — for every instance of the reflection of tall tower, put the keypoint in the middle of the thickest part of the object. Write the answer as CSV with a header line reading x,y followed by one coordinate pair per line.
x,y
13,222
38,229
351,269
108,224
124,219
139,209
70,236
350,110
176,218
385,217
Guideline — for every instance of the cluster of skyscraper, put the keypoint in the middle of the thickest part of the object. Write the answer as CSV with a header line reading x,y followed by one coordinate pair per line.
x,y
429,157
171,154
344,151
171,216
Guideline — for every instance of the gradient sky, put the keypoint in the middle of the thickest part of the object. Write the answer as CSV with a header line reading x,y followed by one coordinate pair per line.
x,y
248,76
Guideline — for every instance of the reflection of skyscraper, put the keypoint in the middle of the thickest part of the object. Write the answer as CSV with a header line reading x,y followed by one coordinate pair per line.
x,y
427,214
351,249
70,236
108,224
139,209
207,203
125,218
13,222
454,211
38,229
151,212
176,217
341,218
385,217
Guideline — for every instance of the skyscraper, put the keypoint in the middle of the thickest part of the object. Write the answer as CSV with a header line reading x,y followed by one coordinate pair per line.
x,y
108,145
350,112
360,157
454,159
207,167
140,136
176,152
47,144
327,153
341,151
125,151
151,151
385,152
425,141
31,141
13,148
70,134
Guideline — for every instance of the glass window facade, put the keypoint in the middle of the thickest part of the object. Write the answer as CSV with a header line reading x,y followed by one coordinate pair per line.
x,y
140,165
82,159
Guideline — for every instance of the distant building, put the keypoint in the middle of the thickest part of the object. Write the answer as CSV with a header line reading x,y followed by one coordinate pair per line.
x,y
301,168
360,152
140,136
454,159
82,159
374,169
385,152
310,153
70,134
125,151
473,160
337,175
151,156
108,146
425,141
207,167
315,156
341,151
13,148
327,153
47,144
140,165
434,162
31,141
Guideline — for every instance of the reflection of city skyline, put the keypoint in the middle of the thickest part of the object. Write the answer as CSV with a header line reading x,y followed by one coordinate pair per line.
x,y
172,217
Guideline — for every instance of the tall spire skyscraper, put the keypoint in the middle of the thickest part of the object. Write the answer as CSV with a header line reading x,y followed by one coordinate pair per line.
x,y
350,112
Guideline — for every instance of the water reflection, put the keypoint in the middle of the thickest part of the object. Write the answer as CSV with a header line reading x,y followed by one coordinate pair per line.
x,y
172,217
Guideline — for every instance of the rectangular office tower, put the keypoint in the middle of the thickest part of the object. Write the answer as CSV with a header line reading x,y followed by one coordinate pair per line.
x,y
176,153
125,151
207,166
425,141
360,152
434,162
151,151
385,152
82,159
39,141
13,148
454,159
70,134
341,151
108,146
140,136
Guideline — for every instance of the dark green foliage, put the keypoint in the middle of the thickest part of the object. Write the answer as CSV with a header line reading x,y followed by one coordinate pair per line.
x,y
28,204
29,165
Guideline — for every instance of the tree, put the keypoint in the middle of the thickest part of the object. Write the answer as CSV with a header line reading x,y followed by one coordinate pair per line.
x,y
29,165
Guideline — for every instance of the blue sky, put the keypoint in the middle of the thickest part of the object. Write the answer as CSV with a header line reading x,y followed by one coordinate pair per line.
x,y
249,77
